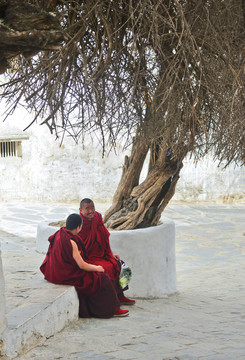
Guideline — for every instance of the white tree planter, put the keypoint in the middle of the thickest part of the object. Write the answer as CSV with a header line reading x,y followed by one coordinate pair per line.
x,y
149,252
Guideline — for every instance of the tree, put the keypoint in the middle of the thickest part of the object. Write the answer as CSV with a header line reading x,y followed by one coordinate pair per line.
x,y
166,74
26,30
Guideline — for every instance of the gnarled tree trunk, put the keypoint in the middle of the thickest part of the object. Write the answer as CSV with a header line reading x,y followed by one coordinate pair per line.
x,y
140,205
26,30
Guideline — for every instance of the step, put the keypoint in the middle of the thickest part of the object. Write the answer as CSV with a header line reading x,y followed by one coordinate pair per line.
x,y
39,317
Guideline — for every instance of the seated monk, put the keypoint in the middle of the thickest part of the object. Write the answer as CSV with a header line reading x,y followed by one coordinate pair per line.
x,y
64,264
95,238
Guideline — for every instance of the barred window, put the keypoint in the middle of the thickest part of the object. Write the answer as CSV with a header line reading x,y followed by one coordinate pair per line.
x,y
11,147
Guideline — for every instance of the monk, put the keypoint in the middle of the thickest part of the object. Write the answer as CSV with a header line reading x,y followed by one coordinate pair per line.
x,y
95,237
64,264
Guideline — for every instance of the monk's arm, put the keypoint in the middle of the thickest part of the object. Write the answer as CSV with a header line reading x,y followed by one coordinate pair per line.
x,y
81,263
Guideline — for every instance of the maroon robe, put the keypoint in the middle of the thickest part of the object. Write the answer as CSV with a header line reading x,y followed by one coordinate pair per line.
x,y
95,238
97,295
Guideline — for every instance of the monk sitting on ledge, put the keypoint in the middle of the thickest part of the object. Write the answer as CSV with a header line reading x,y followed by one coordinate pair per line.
x,y
64,264
95,237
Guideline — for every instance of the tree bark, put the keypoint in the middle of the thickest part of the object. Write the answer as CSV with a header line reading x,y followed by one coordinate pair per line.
x,y
140,205
130,176
26,30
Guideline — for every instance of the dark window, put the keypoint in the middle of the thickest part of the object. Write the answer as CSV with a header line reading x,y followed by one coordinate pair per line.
x,y
10,148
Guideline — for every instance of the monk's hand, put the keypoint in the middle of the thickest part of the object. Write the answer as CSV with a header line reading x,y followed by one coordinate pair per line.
x,y
99,268
117,257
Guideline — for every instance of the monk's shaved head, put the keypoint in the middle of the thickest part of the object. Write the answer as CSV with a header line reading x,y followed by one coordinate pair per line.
x,y
85,201
73,221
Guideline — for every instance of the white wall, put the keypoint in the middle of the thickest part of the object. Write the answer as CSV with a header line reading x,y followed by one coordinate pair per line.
x,y
205,181
50,173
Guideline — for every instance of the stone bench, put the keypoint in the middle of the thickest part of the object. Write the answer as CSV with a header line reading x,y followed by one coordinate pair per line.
x,y
46,311
56,307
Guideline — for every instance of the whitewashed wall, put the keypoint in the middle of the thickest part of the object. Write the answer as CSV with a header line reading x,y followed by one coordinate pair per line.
x,y
50,173
205,181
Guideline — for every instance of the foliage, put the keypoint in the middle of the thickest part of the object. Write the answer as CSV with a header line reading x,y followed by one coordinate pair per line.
x,y
172,69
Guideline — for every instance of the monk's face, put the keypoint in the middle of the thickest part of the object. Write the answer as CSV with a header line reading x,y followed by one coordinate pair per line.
x,y
88,210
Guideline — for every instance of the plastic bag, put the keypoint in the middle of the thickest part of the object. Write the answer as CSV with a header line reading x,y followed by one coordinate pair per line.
x,y
125,276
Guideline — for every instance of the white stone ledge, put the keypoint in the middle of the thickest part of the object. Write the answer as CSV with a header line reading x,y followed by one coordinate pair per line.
x,y
150,253
3,321
25,330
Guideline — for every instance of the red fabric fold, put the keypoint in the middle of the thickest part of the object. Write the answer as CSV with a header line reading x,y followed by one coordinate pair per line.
x,y
59,266
95,237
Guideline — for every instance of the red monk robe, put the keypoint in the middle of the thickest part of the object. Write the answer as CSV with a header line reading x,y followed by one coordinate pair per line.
x,y
95,238
97,296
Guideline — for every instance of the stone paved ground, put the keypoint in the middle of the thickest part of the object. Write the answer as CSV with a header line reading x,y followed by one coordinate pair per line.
x,y
204,320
